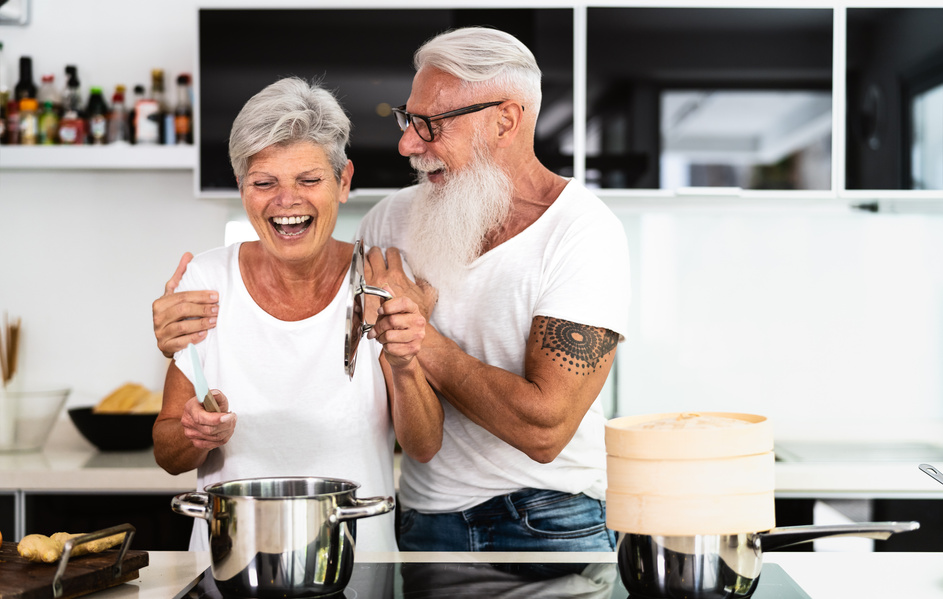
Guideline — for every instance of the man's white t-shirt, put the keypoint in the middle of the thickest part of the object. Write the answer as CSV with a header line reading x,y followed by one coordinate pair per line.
x,y
571,264
298,412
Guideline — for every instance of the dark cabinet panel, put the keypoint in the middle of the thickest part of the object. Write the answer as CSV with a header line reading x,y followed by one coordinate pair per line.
x,y
158,528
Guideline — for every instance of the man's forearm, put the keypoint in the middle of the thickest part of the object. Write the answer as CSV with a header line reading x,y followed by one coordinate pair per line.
x,y
511,407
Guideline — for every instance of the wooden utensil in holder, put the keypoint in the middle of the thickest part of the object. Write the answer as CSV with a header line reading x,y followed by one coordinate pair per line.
x,y
9,348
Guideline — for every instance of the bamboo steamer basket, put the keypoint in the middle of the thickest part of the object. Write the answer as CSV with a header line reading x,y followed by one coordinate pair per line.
x,y
691,473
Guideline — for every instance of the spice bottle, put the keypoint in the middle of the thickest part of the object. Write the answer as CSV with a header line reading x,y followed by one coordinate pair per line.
x,y
29,122
132,112
48,93
97,117
25,87
71,129
118,118
183,111
48,124
13,122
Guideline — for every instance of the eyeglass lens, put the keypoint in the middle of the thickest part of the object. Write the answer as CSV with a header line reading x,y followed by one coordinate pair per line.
x,y
421,126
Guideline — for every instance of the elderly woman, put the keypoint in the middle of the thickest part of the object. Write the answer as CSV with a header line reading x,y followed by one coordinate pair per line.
x,y
289,408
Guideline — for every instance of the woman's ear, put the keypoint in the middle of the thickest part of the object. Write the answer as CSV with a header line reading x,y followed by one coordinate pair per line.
x,y
346,177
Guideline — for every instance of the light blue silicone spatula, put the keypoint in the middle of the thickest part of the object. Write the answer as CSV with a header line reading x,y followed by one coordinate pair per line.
x,y
202,389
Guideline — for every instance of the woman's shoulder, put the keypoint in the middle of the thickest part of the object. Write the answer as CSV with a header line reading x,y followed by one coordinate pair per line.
x,y
210,269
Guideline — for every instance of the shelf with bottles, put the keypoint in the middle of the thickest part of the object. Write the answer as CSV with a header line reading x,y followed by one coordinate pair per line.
x,y
103,157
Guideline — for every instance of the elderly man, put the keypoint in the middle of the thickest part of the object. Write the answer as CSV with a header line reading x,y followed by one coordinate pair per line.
x,y
529,313
522,276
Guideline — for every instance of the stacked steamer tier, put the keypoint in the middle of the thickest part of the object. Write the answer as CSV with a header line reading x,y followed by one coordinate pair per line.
x,y
704,473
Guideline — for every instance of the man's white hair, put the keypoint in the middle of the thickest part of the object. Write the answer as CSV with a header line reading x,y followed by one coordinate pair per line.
x,y
486,59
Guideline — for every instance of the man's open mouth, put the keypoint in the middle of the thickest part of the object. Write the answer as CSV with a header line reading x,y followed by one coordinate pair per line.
x,y
291,225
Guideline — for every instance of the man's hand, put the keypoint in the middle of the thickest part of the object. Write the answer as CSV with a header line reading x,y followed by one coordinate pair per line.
x,y
182,318
388,272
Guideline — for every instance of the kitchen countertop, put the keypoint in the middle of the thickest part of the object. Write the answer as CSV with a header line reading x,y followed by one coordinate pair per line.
x,y
821,575
70,463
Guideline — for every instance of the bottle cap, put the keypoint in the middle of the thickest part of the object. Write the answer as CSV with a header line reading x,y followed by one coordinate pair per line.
x,y
28,104
73,72
48,78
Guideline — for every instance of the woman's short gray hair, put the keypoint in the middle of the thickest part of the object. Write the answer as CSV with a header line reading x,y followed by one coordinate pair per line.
x,y
289,111
488,59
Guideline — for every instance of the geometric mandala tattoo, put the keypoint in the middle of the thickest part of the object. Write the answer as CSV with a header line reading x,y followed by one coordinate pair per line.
x,y
576,346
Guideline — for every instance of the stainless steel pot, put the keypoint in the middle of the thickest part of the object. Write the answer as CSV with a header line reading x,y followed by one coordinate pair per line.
x,y
281,537
719,566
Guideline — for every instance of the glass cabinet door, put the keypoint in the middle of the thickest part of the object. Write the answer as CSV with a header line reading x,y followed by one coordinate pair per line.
x,y
894,108
366,57
709,97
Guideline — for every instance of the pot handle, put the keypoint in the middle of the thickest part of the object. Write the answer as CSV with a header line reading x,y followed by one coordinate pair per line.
x,y
371,290
777,538
195,505
363,508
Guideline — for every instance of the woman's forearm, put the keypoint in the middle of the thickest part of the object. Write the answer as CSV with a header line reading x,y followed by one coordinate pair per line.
x,y
417,412
173,450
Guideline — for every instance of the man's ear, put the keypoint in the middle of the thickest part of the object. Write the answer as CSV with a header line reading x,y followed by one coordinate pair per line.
x,y
510,117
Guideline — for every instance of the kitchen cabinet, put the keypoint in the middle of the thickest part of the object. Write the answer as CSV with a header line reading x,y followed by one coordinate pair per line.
x,y
601,113
157,527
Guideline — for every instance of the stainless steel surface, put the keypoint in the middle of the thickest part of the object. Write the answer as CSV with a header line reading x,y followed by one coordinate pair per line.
x,y
285,537
857,451
719,566
356,327
933,472
116,570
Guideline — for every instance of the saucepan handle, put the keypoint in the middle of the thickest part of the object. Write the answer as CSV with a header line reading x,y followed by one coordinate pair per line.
x,y
72,543
195,505
364,508
371,290
777,538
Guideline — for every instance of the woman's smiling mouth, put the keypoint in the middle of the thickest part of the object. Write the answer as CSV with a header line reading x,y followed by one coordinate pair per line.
x,y
291,225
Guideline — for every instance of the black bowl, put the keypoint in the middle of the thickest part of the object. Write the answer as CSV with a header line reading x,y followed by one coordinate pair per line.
x,y
114,432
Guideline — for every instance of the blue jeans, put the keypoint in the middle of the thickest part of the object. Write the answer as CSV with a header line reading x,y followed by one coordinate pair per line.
x,y
526,520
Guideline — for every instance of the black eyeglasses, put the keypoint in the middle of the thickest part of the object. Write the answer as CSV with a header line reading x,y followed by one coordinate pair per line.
x,y
423,124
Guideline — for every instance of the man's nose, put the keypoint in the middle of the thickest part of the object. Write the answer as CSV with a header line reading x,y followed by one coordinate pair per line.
x,y
410,144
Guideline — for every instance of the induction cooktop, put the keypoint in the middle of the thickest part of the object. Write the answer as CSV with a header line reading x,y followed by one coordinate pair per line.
x,y
507,581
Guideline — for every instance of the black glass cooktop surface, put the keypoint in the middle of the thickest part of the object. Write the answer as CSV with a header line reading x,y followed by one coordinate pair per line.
x,y
506,581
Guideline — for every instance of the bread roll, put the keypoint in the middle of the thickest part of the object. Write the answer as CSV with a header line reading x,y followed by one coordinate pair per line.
x,y
130,398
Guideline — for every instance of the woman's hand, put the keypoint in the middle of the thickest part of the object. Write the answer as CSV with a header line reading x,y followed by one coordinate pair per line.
x,y
208,430
400,327
388,272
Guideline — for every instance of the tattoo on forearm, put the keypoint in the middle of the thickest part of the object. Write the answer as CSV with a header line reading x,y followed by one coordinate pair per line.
x,y
576,347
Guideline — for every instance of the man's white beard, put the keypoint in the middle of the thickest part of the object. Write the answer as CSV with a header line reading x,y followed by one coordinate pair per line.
x,y
448,221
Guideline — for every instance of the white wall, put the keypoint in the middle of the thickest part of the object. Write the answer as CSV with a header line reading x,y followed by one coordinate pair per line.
x,y
798,314
794,315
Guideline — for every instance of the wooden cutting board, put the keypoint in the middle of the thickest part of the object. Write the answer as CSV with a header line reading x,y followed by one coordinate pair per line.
x,y
23,579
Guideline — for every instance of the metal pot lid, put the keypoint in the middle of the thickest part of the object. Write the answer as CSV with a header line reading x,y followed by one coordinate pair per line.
x,y
356,327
